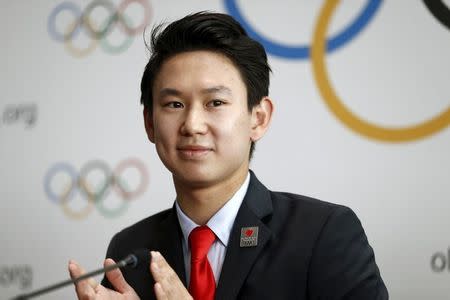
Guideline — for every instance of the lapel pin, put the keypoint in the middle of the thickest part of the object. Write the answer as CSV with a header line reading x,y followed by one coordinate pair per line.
x,y
249,236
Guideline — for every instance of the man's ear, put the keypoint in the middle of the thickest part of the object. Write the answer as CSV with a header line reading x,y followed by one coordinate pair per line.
x,y
261,117
148,122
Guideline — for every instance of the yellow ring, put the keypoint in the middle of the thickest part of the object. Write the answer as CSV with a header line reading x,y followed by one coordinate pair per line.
x,y
77,52
371,130
76,215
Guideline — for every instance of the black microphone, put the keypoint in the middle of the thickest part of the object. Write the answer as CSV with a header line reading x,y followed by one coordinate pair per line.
x,y
138,257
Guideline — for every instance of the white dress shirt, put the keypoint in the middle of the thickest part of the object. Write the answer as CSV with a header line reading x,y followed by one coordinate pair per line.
x,y
221,224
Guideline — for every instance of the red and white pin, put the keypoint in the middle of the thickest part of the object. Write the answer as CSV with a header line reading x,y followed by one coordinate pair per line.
x,y
249,236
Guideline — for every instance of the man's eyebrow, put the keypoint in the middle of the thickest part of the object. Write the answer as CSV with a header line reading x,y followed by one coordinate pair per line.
x,y
211,90
169,92
217,89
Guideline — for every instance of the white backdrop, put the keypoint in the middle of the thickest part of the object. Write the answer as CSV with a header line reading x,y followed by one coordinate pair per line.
x,y
58,109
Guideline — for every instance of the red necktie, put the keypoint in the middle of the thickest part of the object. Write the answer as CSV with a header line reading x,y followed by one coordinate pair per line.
x,y
202,285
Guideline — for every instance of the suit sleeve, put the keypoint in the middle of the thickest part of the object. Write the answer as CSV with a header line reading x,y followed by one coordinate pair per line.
x,y
343,263
110,253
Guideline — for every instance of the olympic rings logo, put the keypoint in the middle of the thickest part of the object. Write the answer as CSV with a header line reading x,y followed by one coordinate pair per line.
x,y
97,32
93,191
303,51
322,45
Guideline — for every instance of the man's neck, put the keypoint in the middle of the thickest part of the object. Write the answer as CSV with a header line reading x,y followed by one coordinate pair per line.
x,y
200,203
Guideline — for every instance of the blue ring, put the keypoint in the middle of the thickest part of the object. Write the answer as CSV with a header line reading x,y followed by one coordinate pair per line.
x,y
65,167
302,51
51,26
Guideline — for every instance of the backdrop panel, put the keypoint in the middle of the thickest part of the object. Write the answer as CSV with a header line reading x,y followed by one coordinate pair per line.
x,y
361,90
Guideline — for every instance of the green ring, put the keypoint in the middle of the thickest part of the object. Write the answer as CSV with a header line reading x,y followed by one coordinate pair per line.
x,y
111,212
107,47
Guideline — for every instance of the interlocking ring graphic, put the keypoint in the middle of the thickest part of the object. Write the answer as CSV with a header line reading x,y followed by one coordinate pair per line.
x,y
345,115
322,45
84,21
303,51
95,196
439,10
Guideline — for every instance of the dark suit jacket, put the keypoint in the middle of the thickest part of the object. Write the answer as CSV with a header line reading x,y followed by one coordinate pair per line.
x,y
307,249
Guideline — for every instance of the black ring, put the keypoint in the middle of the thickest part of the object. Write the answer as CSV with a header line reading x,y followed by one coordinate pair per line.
x,y
99,193
439,10
109,6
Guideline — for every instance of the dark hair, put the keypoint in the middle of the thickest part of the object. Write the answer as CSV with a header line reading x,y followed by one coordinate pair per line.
x,y
209,31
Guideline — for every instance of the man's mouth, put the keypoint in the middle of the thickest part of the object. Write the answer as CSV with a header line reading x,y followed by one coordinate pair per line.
x,y
193,151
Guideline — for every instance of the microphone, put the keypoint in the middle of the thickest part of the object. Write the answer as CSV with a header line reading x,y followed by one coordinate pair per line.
x,y
139,256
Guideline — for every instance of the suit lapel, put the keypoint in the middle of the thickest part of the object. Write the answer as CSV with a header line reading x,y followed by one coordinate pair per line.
x,y
239,260
170,244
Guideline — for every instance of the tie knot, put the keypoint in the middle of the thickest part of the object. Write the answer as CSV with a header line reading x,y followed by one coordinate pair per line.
x,y
200,240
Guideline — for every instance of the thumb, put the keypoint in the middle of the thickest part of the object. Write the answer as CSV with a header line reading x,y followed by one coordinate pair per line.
x,y
116,278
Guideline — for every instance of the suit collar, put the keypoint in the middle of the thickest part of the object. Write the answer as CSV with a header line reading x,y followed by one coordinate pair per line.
x,y
255,208
170,244
258,198
221,222
257,205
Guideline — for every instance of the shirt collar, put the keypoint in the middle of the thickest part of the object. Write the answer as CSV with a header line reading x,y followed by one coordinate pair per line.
x,y
222,221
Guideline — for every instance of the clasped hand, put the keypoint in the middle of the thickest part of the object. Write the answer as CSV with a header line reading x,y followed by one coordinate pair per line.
x,y
167,286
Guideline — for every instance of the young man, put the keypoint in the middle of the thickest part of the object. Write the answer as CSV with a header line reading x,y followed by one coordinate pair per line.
x,y
205,96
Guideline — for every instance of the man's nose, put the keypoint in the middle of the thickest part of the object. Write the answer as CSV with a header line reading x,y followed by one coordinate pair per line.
x,y
194,121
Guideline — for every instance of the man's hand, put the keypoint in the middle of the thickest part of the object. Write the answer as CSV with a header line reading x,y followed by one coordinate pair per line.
x,y
168,286
89,289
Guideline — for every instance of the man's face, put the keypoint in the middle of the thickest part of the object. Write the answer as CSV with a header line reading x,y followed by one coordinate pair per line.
x,y
200,124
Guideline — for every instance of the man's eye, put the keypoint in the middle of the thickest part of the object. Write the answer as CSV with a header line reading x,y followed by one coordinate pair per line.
x,y
174,104
215,103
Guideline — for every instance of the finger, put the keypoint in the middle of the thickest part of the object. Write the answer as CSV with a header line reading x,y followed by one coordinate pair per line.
x,y
116,278
159,292
157,266
76,271
160,274
168,284
162,268
83,288
79,270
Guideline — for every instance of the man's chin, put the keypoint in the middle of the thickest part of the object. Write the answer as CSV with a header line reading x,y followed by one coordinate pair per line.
x,y
194,179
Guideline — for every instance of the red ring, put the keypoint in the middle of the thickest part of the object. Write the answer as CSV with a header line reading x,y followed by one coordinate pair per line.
x,y
127,163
